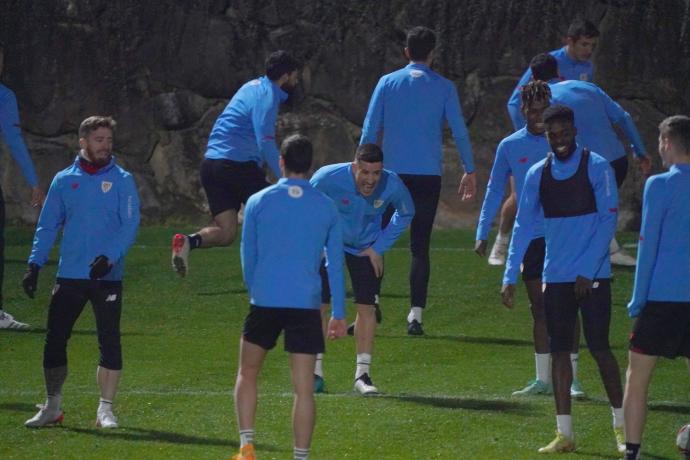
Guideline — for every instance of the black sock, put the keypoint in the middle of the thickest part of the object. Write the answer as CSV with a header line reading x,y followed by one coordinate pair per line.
x,y
194,241
631,451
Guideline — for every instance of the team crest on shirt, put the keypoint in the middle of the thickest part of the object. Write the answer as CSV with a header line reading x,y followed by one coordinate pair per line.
x,y
106,186
584,77
416,73
295,191
378,203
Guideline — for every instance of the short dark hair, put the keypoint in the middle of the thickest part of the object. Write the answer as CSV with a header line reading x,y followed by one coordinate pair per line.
x,y
535,90
370,153
420,42
544,67
677,128
280,63
94,122
556,113
297,152
582,28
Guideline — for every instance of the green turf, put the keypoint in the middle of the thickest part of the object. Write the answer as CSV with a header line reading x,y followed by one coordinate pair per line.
x,y
446,395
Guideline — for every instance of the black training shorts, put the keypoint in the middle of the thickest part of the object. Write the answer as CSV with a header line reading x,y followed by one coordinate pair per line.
x,y
365,284
662,329
228,184
303,333
533,262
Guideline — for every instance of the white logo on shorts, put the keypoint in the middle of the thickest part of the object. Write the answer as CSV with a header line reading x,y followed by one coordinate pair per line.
x,y
106,186
111,298
295,191
416,73
55,289
595,284
378,203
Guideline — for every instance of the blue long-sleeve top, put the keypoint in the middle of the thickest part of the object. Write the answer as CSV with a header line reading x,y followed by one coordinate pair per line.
x,y
410,105
98,214
286,227
663,253
568,69
595,112
246,130
362,216
12,134
514,156
575,246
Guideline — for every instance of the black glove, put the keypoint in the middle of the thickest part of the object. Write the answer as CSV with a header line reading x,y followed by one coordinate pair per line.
x,y
99,267
30,280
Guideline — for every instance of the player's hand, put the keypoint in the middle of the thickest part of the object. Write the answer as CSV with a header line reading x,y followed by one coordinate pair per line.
x,y
645,165
480,247
583,287
336,328
100,267
37,197
468,186
508,295
376,260
30,280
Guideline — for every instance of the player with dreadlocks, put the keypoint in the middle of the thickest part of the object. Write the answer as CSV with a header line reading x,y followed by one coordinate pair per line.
x,y
515,155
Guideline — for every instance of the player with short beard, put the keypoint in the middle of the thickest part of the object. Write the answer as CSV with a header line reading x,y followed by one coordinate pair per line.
x,y
95,204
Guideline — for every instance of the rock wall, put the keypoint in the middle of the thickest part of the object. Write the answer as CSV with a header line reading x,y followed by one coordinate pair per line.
x,y
166,69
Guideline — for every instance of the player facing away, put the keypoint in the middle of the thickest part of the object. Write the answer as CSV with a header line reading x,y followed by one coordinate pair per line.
x,y
362,191
574,63
515,155
286,227
661,294
95,204
242,141
574,190
411,106
595,115
11,134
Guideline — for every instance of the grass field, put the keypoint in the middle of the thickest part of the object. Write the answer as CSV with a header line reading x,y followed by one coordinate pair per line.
x,y
445,395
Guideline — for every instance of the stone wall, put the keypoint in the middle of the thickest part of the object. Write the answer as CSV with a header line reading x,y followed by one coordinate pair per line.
x,y
166,69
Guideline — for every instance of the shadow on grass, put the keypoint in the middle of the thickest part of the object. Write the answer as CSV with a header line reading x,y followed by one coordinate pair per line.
x,y
18,407
674,408
223,292
464,339
513,407
42,331
125,433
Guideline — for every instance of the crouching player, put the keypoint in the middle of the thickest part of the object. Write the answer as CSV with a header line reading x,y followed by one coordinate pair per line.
x,y
95,203
286,226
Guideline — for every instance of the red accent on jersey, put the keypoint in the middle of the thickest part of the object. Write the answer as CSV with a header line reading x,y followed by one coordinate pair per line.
x,y
523,160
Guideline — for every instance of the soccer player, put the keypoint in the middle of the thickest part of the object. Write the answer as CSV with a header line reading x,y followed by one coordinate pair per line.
x,y
661,295
574,63
573,188
95,204
362,191
286,226
12,136
411,105
515,155
241,143
595,115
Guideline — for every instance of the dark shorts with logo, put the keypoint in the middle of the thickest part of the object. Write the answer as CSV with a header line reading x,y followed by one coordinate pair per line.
x,y
365,284
561,308
662,329
228,184
303,333
533,262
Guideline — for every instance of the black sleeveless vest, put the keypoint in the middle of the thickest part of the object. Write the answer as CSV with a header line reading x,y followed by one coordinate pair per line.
x,y
570,197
